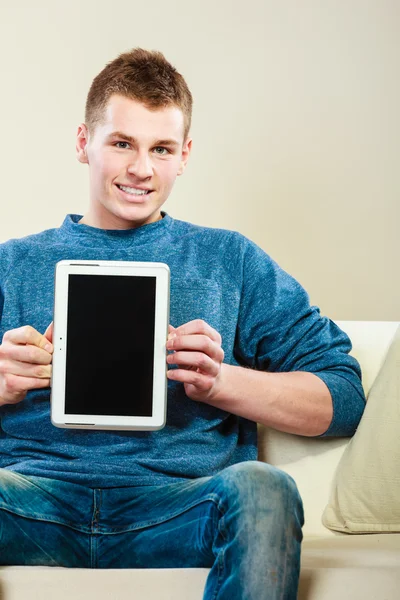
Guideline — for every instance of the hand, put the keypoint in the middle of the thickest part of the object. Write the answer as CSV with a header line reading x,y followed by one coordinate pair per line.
x,y
197,352
25,362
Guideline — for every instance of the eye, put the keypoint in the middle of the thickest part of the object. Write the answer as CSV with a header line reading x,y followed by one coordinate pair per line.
x,y
116,144
162,148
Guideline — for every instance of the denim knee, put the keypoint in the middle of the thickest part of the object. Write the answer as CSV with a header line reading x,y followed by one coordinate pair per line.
x,y
254,484
259,533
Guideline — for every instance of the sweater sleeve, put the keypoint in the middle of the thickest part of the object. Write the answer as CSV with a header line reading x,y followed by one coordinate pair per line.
x,y
1,290
1,305
278,331
5,267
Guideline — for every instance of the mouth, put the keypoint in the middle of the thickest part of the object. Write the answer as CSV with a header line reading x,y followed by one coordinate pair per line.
x,y
132,191
132,194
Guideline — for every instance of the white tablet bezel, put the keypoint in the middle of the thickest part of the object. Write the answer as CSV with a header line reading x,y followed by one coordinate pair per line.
x,y
59,417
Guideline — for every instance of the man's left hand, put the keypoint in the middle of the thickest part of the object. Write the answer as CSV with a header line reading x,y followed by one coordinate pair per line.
x,y
198,353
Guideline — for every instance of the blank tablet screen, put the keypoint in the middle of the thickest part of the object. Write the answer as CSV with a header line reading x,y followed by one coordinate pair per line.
x,y
110,345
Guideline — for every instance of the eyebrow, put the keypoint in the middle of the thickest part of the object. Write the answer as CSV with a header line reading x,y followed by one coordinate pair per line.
x,y
132,140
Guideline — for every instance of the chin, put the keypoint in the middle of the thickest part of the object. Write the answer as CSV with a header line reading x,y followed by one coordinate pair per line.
x,y
138,216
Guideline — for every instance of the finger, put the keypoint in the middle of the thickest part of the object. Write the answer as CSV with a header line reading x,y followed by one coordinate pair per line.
x,y
200,343
49,332
15,385
27,335
25,353
194,361
198,326
14,367
171,331
200,381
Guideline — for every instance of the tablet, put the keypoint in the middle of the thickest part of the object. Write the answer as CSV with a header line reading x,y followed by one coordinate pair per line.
x,y
109,338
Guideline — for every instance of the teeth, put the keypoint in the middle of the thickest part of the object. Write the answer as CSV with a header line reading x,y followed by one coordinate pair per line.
x,y
131,190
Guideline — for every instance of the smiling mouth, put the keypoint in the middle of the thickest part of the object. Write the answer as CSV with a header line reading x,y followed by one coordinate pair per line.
x,y
133,191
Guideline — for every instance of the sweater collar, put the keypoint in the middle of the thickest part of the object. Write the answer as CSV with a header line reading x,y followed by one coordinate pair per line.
x,y
121,237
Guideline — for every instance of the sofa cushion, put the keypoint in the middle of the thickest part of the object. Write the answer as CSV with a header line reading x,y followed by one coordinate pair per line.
x,y
365,495
346,567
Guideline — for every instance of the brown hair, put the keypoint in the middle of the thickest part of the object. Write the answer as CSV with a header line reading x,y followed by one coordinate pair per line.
x,y
142,75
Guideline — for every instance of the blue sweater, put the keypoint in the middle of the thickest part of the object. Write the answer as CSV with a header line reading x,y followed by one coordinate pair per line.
x,y
261,312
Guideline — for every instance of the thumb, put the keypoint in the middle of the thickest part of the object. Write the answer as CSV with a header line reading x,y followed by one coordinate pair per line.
x,y
49,332
171,330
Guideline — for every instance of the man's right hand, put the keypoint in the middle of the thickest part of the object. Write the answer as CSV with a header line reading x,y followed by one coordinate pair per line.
x,y
25,362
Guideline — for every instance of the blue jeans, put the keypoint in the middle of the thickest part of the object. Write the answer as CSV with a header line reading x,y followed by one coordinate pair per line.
x,y
244,523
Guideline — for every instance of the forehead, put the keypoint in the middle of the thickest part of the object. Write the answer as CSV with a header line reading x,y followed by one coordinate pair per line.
x,y
135,119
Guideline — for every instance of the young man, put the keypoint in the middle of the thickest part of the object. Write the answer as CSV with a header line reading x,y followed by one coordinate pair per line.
x,y
247,348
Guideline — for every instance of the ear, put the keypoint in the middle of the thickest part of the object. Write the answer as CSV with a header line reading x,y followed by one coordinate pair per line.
x,y
186,149
82,138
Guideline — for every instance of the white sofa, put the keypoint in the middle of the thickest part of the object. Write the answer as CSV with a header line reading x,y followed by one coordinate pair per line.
x,y
334,566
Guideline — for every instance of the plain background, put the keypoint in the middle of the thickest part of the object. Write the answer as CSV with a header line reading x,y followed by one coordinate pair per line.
x,y
296,127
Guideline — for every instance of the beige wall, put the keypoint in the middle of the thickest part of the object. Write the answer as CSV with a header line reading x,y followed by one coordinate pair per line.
x,y
296,127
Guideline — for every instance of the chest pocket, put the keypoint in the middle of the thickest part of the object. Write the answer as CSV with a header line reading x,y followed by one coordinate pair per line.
x,y
195,299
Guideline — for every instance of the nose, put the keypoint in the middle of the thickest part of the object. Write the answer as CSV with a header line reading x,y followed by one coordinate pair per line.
x,y
141,166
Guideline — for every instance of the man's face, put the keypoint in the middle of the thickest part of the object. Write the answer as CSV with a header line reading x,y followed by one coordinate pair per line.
x,y
132,150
